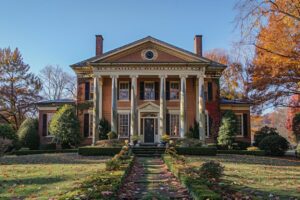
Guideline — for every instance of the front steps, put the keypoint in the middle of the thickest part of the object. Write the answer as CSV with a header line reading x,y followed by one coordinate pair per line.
x,y
148,151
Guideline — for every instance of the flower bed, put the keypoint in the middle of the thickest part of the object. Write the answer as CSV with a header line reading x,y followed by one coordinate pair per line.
x,y
197,188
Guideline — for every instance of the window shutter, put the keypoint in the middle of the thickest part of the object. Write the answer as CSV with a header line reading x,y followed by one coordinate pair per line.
x,y
86,124
44,131
210,123
168,90
210,91
129,87
87,90
168,123
245,124
141,90
156,87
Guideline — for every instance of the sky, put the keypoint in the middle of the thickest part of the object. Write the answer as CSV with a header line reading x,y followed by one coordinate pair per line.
x,y
62,32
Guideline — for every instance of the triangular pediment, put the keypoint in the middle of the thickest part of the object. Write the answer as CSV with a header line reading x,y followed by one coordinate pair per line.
x,y
148,107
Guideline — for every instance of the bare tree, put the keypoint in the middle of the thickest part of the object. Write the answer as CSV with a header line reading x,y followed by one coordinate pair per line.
x,y
57,84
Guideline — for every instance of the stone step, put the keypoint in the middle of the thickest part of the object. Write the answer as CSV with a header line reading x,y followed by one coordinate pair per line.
x,y
147,181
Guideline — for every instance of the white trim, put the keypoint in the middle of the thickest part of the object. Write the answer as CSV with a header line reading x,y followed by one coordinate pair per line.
x,y
47,108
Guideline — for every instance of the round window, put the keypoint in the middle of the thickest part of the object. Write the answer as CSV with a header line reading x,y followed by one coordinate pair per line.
x,y
149,55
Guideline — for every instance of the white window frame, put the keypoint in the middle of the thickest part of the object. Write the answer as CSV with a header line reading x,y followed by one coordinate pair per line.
x,y
122,82
242,125
123,113
177,99
149,82
49,118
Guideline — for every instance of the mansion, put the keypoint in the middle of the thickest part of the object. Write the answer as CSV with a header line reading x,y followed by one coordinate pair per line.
x,y
149,88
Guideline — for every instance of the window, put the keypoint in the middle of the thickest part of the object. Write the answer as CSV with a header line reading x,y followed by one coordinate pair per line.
x,y
149,92
174,125
239,124
124,91
174,90
90,125
124,125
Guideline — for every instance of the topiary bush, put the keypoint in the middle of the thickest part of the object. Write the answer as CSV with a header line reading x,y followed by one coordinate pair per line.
x,y
8,133
64,126
211,170
227,129
274,145
28,134
104,128
262,133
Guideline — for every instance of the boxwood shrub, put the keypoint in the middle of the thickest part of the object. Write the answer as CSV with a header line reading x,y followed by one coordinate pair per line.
x,y
203,151
242,152
29,152
98,151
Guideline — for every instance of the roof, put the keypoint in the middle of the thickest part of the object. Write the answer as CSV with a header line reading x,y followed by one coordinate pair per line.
x,y
234,101
144,40
56,101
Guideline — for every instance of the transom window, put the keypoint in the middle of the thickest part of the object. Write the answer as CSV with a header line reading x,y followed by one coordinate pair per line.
x,y
239,124
174,90
124,125
174,125
149,92
124,91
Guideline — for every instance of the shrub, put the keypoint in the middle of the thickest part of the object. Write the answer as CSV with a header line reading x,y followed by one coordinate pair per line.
x,y
227,129
188,142
274,145
110,143
98,151
193,131
252,149
165,138
50,146
4,145
64,126
211,170
8,133
112,135
28,134
262,133
112,164
104,128
242,152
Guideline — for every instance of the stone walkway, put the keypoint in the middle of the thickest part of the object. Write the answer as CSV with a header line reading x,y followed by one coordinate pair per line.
x,y
151,178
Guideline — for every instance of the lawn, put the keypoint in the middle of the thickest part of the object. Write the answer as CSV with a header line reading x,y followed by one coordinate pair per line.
x,y
44,176
258,176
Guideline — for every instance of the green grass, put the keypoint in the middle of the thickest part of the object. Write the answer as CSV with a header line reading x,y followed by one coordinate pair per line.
x,y
259,176
44,176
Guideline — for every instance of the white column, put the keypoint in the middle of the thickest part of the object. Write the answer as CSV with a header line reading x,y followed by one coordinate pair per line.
x,y
133,106
95,110
114,112
182,105
162,106
201,107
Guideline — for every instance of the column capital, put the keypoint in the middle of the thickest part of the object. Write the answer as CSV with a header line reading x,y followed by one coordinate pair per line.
x,y
163,76
96,76
134,76
183,76
114,76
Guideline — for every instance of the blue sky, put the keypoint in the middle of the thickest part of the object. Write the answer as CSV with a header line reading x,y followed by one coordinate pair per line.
x,y
63,31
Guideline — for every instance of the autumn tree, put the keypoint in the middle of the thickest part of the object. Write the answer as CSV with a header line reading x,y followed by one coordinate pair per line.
x,y
19,88
272,27
57,83
234,78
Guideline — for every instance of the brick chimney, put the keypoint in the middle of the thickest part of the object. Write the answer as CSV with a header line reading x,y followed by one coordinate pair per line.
x,y
198,45
99,45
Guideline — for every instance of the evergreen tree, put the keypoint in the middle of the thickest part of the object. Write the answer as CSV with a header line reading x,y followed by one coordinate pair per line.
x,y
28,134
227,129
104,128
64,126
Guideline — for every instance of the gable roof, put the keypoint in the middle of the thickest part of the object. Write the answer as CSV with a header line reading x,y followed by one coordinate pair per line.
x,y
142,41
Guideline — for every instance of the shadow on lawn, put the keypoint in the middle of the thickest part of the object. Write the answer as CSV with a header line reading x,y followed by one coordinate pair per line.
x,y
67,158
256,160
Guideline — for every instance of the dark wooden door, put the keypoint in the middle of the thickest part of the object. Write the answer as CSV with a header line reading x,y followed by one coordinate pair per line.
x,y
149,130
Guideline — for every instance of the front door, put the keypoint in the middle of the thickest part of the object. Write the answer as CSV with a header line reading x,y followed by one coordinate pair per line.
x,y
149,130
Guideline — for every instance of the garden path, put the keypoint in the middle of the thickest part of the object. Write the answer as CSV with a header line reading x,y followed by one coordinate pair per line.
x,y
150,178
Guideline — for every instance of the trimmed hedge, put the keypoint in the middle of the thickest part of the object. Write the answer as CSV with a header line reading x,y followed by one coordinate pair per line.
x,y
201,151
242,152
29,152
196,187
98,151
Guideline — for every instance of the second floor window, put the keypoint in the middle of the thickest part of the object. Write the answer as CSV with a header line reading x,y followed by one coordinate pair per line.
x,y
149,91
124,91
174,90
